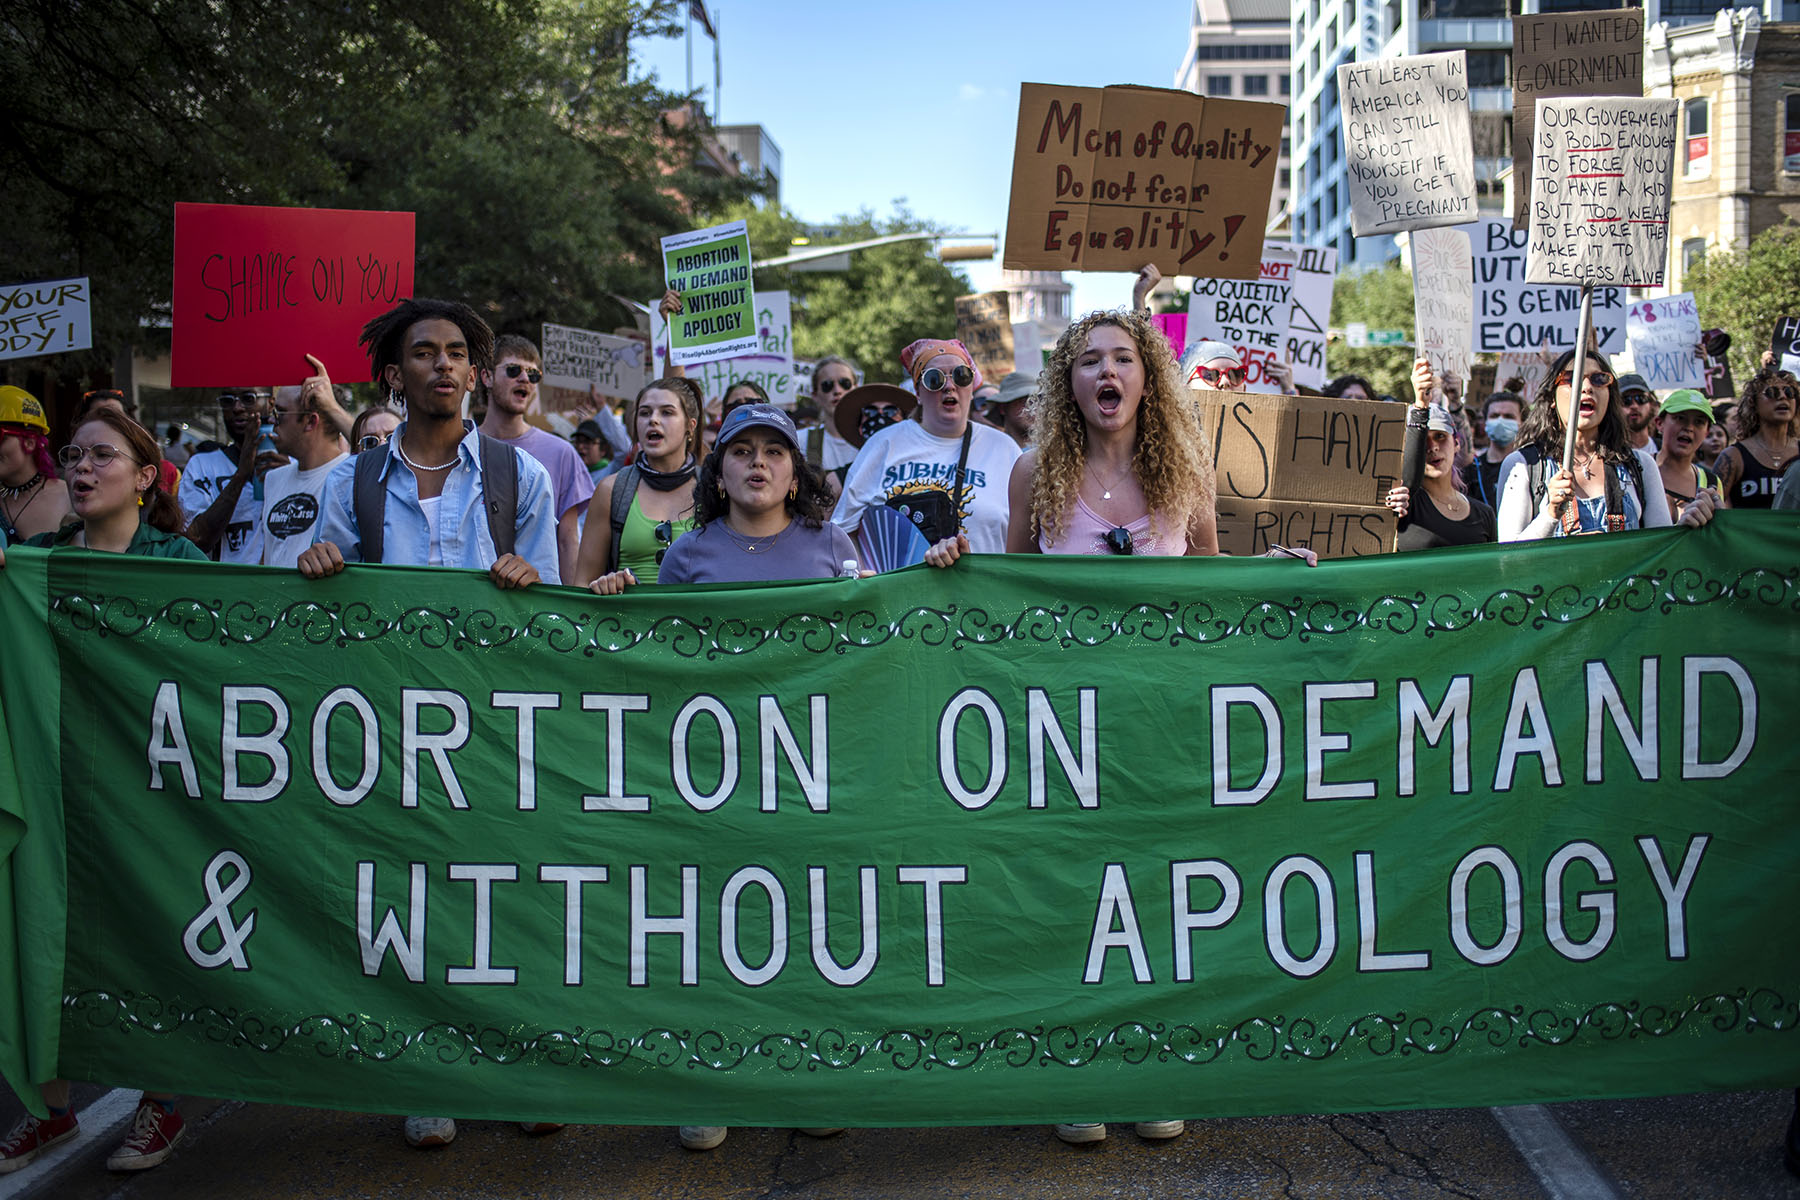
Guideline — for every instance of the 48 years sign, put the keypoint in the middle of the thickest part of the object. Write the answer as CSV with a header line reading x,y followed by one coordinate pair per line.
x,y
904,850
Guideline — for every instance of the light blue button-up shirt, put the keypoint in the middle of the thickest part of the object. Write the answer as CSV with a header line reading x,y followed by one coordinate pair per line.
x,y
463,538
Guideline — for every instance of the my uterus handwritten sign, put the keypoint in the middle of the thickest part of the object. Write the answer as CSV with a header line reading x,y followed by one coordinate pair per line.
x,y
258,289
1601,171
1110,179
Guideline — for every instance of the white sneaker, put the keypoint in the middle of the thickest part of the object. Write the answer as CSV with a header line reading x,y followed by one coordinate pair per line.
x,y
702,1137
425,1132
1156,1131
1081,1135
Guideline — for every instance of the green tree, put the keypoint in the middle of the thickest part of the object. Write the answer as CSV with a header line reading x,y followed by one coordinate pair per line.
x,y
1745,292
1381,298
890,296
541,172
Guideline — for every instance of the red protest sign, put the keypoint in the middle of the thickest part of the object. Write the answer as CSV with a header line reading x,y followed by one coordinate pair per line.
x,y
258,289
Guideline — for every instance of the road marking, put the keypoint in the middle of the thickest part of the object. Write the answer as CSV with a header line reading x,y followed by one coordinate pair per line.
x,y
1561,1166
100,1119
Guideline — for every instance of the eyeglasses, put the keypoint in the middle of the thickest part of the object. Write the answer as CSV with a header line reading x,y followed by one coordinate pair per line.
x,y
277,416
665,533
934,378
889,411
369,441
514,370
1596,378
241,399
103,394
102,454
834,385
1212,375
1118,539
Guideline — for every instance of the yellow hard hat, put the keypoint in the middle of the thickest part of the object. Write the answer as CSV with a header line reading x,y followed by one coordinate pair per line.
x,y
20,407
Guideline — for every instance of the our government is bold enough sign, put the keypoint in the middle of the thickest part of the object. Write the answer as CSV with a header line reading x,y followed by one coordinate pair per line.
x,y
1023,840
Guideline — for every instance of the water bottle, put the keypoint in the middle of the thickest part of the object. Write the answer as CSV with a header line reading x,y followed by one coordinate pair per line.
x,y
266,445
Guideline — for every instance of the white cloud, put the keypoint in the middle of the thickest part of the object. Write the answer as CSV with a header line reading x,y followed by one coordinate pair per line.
x,y
968,91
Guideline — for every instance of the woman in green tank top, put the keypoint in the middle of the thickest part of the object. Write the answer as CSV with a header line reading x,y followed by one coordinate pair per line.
x,y
654,496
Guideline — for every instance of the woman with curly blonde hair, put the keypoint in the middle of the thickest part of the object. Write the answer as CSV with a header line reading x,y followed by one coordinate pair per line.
x,y
1118,462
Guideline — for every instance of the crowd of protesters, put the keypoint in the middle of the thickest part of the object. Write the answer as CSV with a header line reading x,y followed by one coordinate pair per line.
x,y
1103,454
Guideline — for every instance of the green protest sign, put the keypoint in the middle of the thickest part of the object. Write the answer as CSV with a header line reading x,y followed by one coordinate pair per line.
x,y
1025,840
711,270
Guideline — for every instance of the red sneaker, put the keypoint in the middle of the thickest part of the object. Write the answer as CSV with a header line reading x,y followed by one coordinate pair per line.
x,y
152,1138
31,1137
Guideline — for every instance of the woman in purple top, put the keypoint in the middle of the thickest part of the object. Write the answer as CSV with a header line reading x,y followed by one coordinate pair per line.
x,y
760,512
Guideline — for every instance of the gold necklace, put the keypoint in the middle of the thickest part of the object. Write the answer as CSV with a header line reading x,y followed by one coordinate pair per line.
x,y
1775,456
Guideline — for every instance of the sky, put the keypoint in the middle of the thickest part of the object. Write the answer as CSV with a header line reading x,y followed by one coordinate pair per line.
x,y
874,103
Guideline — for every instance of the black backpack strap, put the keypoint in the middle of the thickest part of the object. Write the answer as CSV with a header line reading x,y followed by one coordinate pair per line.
x,y
625,486
815,445
962,460
500,488
368,499
1535,477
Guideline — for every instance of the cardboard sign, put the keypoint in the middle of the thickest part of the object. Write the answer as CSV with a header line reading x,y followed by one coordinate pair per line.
x,y
1598,53
1786,343
1664,332
1303,448
1254,527
1601,171
258,289
1443,300
1309,317
1511,314
1526,366
1251,316
45,318
1407,142
1110,179
580,358
711,270
984,325
770,365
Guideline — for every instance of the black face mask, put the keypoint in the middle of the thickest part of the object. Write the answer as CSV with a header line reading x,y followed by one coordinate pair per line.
x,y
873,422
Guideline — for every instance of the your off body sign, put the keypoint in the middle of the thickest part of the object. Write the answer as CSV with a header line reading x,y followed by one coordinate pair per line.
x,y
1601,171
258,289
1475,839
1110,179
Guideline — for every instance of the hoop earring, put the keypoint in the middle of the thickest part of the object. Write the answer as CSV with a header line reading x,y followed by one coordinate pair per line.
x,y
793,491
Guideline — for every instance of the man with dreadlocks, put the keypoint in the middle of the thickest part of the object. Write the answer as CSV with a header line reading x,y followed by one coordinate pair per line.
x,y
424,498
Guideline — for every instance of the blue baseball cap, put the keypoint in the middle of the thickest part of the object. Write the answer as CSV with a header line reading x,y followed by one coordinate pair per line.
x,y
749,416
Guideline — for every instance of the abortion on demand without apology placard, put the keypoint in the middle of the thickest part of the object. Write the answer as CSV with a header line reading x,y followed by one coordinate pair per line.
x,y
1664,332
1443,299
711,270
1516,317
1601,170
1599,53
1406,139
580,359
1108,180
1250,315
45,318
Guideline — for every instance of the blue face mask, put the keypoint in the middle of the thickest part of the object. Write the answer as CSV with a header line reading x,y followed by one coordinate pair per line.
x,y
1503,431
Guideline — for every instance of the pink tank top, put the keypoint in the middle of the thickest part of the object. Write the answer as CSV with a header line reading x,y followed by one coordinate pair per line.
x,y
1086,534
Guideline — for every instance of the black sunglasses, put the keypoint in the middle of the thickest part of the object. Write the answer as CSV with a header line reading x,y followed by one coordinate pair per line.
x,y
241,399
835,385
665,533
932,378
890,411
513,371
1118,540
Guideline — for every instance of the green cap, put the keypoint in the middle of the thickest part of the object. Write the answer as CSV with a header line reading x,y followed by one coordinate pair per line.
x,y
1687,400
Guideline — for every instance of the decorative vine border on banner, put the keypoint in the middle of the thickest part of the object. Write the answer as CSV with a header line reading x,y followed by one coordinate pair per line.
x,y
358,1037
839,631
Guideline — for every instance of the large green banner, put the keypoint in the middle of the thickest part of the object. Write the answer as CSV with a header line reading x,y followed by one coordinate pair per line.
x,y
1024,840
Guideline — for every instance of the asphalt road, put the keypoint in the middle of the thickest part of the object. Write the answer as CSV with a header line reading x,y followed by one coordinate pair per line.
x,y
1712,1145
